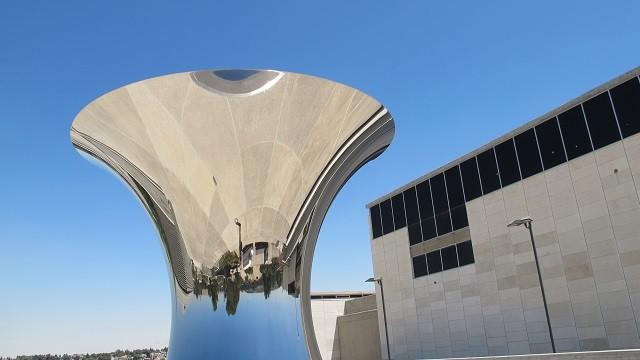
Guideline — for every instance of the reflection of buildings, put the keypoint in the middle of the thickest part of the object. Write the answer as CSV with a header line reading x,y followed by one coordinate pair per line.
x,y
259,271
255,255
459,282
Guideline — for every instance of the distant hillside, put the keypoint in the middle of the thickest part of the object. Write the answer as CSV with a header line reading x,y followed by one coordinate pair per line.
x,y
143,354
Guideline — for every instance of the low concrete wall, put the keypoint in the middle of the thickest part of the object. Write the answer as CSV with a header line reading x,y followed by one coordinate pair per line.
x,y
589,355
325,314
357,305
358,336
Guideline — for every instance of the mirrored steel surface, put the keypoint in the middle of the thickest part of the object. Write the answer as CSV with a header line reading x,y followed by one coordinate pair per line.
x,y
237,169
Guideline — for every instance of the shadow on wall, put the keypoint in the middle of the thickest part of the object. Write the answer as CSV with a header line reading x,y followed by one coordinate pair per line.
x,y
335,353
357,330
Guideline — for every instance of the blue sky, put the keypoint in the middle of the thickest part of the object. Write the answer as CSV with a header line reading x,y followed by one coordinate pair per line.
x,y
81,268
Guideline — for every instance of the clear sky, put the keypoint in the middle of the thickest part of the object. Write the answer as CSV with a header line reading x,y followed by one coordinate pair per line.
x,y
81,268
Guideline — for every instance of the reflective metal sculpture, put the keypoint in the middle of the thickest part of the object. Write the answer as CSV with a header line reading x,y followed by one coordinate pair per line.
x,y
237,169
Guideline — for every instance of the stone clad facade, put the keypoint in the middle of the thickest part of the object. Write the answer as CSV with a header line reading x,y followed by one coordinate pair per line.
x,y
586,225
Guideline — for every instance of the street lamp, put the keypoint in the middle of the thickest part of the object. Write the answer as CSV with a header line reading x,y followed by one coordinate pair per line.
x,y
239,239
526,221
384,312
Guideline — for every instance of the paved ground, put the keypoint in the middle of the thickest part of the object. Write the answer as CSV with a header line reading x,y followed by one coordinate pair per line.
x,y
591,355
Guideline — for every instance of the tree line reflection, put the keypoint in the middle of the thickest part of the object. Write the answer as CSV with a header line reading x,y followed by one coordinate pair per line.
x,y
230,278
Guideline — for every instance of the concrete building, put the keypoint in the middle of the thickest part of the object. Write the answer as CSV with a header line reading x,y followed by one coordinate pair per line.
x,y
459,282
346,325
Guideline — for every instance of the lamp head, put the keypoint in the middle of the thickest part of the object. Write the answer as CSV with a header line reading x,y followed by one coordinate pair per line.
x,y
522,221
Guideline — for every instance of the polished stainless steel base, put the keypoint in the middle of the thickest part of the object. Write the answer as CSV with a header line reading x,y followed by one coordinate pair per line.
x,y
237,169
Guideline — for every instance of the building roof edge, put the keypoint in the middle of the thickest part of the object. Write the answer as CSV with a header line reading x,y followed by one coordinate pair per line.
x,y
635,72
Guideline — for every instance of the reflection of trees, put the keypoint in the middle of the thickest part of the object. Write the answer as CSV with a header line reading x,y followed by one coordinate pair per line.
x,y
227,278
197,278
197,288
227,262
214,288
271,277
232,292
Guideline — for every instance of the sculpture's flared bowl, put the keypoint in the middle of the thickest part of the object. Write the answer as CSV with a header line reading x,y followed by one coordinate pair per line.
x,y
237,169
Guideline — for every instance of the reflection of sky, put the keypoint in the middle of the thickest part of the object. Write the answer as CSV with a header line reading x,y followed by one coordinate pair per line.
x,y
259,329
235,75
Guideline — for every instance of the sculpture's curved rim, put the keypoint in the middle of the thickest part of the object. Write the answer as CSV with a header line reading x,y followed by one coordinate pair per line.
x,y
189,72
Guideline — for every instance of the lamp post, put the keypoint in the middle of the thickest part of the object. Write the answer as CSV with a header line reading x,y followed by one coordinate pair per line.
x,y
384,312
239,239
526,221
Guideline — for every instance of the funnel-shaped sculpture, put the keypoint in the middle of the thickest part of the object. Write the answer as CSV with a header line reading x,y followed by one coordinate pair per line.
x,y
237,169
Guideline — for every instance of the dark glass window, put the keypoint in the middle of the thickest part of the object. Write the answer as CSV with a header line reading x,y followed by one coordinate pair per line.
x,y
376,223
440,204
488,171
574,132
411,205
528,154
507,163
449,257
387,216
459,217
428,229
419,266
465,253
626,100
415,236
439,193
434,263
456,198
424,199
398,211
470,179
601,120
454,187
550,143
443,223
